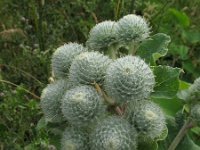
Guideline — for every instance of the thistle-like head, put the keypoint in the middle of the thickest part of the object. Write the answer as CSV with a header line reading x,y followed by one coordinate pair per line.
x,y
62,58
102,35
132,28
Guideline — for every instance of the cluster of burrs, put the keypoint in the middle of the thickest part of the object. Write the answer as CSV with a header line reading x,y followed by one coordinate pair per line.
x,y
104,100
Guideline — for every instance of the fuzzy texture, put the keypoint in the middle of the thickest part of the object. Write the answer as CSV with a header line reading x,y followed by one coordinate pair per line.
x,y
62,58
51,100
147,117
88,67
194,91
74,139
82,106
102,35
113,133
132,28
129,79
195,113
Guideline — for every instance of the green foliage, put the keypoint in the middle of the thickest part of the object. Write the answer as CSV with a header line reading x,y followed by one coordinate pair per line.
x,y
16,128
154,48
167,81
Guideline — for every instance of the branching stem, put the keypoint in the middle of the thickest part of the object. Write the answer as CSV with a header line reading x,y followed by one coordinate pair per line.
x,y
101,92
108,99
188,124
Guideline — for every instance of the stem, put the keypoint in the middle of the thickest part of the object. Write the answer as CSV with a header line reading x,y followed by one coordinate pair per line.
x,y
8,82
132,49
112,52
23,72
102,93
108,99
188,124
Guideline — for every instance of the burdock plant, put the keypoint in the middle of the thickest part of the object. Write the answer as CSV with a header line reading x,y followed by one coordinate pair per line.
x,y
112,99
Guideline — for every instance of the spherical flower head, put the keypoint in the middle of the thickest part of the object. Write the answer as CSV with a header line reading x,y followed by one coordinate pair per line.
x,y
148,118
195,113
194,91
88,67
129,79
51,100
74,139
102,35
113,133
82,106
132,28
62,58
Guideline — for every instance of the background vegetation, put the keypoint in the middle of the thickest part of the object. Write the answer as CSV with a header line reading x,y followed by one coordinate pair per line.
x,y
30,31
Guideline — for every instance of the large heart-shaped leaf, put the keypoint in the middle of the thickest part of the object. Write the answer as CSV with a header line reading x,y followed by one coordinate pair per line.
x,y
154,47
167,82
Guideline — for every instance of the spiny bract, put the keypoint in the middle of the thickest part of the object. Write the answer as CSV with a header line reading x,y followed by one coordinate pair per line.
x,y
102,35
129,78
51,100
74,139
62,58
82,105
195,113
132,28
147,117
113,133
194,91
88,67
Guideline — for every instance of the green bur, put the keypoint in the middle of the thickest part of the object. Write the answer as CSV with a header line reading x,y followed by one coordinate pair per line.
x,y
82,106
147,117
194,91
63,57
51,100
113,133
195,113
88,67
102,35
132,28
129,79
74,139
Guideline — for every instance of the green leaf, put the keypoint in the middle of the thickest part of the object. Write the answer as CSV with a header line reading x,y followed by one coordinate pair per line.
x,y
188,144
188,66
163,134
169,106
180,17
154,48
41,124
191,36
180,50
167,82
183,85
